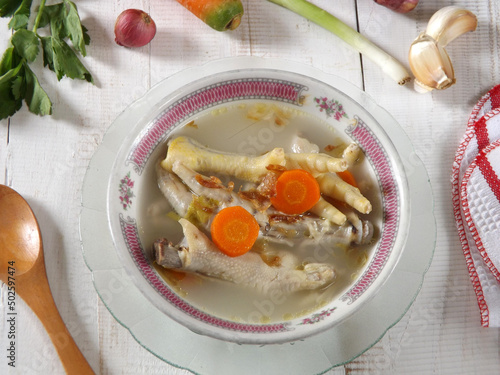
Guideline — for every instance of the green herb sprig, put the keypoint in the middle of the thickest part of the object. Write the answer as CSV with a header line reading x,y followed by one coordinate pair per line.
x,y
17,80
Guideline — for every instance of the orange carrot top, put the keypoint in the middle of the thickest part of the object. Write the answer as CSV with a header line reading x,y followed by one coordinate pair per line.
x,y
220,15
234,231
296,192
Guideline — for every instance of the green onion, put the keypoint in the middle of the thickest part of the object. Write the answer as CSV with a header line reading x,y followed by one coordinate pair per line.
x,y
389,65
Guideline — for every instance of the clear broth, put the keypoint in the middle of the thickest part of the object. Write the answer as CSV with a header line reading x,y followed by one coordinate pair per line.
x,y
230,128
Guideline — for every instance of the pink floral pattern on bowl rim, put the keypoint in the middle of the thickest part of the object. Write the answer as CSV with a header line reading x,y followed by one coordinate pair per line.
x,y
126,193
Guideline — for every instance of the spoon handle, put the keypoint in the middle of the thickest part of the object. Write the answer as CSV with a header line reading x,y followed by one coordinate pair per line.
x,y
39,297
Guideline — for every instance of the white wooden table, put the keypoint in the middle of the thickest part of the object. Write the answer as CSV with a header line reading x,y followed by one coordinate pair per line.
x,y
45,160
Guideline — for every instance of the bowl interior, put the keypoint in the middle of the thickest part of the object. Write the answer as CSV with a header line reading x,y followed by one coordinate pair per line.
x,y
213,110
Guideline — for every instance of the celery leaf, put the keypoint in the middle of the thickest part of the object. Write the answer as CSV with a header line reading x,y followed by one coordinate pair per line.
x,y
26,44
21,16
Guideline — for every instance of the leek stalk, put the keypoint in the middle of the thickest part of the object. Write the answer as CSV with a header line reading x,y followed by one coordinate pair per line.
x,y
389,65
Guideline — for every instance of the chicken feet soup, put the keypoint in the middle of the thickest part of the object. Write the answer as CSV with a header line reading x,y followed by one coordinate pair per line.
x,y
265,235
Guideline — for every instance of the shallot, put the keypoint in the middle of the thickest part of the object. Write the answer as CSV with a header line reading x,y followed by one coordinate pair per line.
x,y
400,6
134,28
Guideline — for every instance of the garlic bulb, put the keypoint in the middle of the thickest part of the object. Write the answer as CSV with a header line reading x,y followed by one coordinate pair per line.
x,y
428,58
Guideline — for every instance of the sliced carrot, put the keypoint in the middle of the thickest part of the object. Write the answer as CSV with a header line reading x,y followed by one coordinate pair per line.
x,y
234,231
296,192
348,177
220,15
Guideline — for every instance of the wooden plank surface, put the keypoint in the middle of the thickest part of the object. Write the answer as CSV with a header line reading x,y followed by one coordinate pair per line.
x,y
45,159
441,331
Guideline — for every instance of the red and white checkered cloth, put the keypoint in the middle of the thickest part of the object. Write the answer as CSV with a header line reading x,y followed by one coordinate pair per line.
x,y
476,203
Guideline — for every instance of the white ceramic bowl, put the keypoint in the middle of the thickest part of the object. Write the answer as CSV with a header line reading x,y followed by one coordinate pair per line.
x,y
198,94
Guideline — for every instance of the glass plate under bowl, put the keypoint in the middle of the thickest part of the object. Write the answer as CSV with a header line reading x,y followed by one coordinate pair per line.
x,y
141,130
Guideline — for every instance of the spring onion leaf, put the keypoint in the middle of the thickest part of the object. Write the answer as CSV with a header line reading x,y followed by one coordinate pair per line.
x,y
18,82
313,13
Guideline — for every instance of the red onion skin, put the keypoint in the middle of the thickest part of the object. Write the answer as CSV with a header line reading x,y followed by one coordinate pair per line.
x,y
134,28
400,6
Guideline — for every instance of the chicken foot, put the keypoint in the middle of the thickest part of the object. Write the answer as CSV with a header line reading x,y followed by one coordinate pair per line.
x,y
203,159
196,253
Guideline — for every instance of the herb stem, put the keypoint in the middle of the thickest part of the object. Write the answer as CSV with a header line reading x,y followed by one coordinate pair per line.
x,y
386,62
39,16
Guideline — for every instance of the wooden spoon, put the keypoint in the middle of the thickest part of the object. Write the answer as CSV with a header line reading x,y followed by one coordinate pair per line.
x,y
22,266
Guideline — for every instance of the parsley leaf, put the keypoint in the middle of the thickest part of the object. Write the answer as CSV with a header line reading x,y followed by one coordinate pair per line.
x,y
48,53
9,103
66,63
60,58
9,7
37,99
76,33
21,16
8,106
19,87
65,23
9,60
86,36
26,44
18,82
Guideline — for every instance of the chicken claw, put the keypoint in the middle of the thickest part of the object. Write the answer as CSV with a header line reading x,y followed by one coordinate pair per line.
x,y
196,253
202,159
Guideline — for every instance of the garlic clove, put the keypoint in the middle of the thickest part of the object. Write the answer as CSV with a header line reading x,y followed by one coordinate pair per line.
x,y
428,58
430,65
449,23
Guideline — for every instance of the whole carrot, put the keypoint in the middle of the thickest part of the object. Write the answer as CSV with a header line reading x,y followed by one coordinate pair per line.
x,y
220,15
